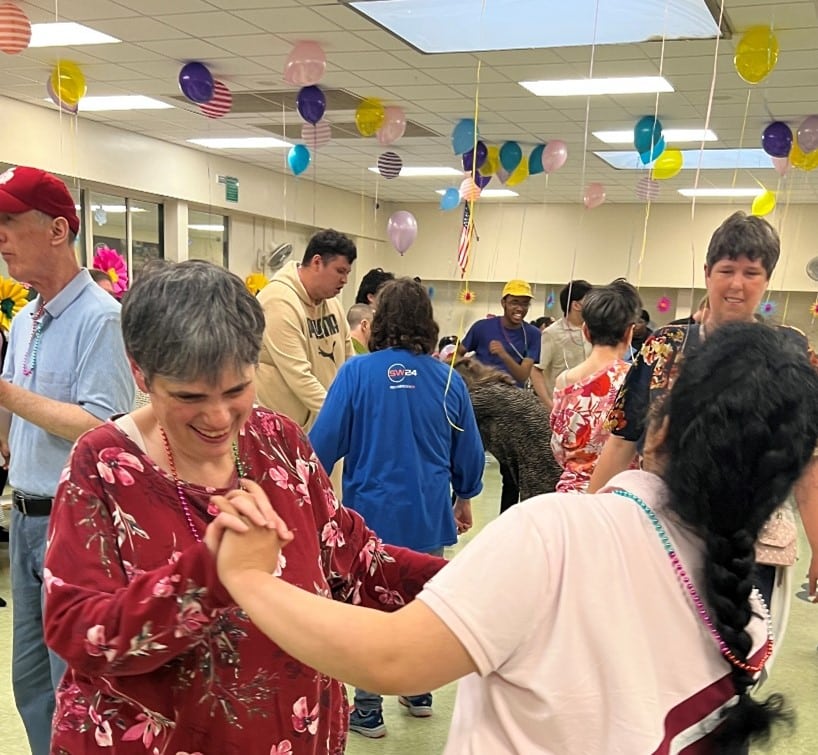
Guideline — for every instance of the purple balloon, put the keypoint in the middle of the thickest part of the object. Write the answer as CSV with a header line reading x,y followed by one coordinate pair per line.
x,y
311,104
777,139
196,82
468,161
481,180
482,152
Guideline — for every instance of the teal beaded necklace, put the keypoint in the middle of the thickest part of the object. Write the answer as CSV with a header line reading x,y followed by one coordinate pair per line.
x,y
30,357
698,603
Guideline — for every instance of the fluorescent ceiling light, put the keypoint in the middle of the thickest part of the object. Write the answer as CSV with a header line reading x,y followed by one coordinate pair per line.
x,y
711,159
205,227
489,193
249,142
118,102
67,34
722,192
470,26
584,87
671,135
421,172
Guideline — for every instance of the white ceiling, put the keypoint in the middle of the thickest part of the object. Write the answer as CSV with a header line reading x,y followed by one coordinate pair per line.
x,y
245,43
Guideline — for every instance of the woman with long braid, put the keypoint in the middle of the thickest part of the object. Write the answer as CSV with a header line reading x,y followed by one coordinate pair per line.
x,y
621,621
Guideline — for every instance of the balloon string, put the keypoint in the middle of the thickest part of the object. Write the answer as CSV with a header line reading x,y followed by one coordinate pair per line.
x,y
284,161
741,140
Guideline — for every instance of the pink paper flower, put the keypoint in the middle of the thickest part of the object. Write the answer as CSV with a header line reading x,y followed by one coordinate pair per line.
x,y
663,305
112,263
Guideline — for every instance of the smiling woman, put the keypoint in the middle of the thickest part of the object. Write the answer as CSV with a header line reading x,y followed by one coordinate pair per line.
x,y
158,653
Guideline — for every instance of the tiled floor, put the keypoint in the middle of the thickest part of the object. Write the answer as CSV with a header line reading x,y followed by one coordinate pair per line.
x,y
795,674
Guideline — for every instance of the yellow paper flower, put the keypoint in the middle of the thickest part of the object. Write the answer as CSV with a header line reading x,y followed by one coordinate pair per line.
x,y
467,296
255,282
13,298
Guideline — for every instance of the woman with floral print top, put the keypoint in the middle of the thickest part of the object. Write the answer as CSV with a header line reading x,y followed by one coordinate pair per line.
x,y
160,658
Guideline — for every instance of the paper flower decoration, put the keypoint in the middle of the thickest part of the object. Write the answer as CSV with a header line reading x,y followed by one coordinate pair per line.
x,y
467,296
663,305
255,282
767,308
13,297
813,310
549,301
112,263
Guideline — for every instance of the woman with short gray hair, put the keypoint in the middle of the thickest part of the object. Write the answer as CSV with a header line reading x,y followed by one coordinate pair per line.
x,y
159,656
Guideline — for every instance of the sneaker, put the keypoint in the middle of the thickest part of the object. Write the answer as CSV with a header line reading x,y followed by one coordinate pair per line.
x,y
419,706
369,724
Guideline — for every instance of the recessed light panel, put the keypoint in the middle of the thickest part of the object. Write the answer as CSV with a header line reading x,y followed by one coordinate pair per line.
x,y
711,159
67,34
250,142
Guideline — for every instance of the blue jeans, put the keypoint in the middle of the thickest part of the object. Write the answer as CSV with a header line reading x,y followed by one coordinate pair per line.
x,y
366,702
35,670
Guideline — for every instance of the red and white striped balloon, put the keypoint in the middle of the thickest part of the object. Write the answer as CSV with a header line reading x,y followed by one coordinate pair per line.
x,y
390,165
15,29
469,190
647,189
219,105
316,136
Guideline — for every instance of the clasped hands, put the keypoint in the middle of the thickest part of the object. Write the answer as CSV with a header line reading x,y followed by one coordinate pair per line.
x,y
247,534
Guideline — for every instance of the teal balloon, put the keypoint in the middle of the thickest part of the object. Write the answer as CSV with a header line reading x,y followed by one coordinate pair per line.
x,y
463,136
646,134
510,156
450,199
298,158
652,154
535,160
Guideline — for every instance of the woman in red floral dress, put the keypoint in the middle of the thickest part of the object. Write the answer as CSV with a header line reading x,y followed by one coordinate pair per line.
x,y
160,658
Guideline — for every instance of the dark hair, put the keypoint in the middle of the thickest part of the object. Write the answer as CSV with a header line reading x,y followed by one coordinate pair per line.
x,y
330,243
403,318
574,291
189,320
644,316
745,235
98,275
446,341
544,320
743,423
370,284
609,311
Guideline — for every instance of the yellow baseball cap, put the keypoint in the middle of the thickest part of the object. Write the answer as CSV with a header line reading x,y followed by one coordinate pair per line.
x,y
517,287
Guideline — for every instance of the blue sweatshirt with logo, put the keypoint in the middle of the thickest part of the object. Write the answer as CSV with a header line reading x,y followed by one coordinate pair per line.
x,y
406,430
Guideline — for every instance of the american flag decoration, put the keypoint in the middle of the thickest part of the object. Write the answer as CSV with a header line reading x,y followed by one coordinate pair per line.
x,y
464,243
15,29
647,189
390,165
219,105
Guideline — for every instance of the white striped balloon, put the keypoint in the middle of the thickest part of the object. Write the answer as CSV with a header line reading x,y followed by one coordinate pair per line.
x,y
469,190
318,135
220,103
647,189
15,29
390,164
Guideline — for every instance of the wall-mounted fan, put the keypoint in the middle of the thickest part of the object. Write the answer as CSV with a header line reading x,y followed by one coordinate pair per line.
x,y
269,262
812,268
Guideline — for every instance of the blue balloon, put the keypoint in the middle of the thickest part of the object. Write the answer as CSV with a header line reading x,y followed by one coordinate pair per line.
x,y
535,160
650,155
298,158
463,136
450,199
646,134
510,156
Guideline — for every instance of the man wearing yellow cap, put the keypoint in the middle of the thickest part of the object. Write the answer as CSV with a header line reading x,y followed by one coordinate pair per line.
x,y
512,345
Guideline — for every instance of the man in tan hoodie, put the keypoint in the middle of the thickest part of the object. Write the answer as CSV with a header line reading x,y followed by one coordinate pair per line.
x,y
306,337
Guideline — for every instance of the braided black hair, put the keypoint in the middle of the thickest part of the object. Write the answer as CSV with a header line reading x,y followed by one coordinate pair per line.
x,y
743,423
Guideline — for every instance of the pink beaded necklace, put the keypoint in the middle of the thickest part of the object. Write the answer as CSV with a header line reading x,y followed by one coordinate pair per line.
x,y
180,493
30,357
698,603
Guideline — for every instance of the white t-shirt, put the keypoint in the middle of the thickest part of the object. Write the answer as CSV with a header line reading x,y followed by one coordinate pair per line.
x,y
585,641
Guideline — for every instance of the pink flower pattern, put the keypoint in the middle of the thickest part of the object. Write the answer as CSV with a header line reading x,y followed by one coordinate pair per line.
x,y
113,466
305,719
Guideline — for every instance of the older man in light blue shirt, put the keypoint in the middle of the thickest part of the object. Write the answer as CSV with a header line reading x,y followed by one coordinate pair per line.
x,y
65,372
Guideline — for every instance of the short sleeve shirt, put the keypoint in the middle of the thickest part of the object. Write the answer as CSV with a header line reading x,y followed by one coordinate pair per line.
x,y
520,343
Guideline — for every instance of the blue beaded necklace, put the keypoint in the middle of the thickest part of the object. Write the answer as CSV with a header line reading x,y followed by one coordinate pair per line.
x,y
30,357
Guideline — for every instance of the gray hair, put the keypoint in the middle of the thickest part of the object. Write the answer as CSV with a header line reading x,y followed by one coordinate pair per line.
x,y
357,313
190,320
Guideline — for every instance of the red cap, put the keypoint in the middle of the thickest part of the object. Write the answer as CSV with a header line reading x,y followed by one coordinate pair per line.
x,y
23,189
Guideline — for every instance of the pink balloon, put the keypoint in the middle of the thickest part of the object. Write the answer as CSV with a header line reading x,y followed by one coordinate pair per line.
x,y
306,64
502,174
808,134
554,155
469,190
402,230
394,126
781,165
594,195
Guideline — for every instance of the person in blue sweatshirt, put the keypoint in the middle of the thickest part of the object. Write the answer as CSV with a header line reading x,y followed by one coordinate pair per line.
x,y
404,424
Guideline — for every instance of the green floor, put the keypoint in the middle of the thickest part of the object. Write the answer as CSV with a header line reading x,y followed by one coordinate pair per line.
x,y
795,674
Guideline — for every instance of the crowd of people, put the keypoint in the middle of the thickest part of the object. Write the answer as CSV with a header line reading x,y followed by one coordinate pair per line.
x,y
202,571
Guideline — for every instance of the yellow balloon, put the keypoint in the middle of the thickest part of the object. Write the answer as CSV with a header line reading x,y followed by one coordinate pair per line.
x,y
369,116
68,82
764,203
799,159
668,164
489,167
756,54
519,174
